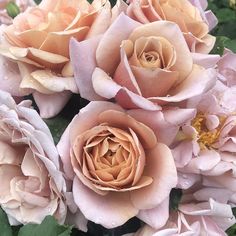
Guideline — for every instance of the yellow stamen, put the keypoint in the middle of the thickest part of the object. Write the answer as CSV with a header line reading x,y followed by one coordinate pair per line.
x,y
206,138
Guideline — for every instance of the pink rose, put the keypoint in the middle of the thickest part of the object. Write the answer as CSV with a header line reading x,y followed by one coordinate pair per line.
x,y
22,4
204,145
192,20
208,218
139,65
38,41
32,185
118,168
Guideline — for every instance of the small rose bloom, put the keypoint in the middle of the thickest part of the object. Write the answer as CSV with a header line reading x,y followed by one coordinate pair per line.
x,y
22,4
32,185
38,41
191,19
118,168
195,219
141,66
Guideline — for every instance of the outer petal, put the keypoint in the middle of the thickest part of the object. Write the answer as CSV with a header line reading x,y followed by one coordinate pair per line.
x,y
51,105
110,211
161,167
109,46
82,56
198,82
10,77
156,217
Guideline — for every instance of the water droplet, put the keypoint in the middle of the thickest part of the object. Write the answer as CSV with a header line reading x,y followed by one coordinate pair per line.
x,y
113,224
184,176
49,209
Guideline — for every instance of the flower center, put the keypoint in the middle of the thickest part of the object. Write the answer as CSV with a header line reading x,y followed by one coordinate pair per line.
x,y
206,137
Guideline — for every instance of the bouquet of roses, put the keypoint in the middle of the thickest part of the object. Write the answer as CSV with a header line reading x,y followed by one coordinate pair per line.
x,y
117,118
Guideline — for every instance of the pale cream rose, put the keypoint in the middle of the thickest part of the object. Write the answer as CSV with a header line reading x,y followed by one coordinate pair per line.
x,y
38,40
32,185
183,13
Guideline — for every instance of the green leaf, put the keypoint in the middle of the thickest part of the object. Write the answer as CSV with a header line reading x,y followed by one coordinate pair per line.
x,y
12,9
5,228
49,227
232,230
221,41
175,197
57,126
225,15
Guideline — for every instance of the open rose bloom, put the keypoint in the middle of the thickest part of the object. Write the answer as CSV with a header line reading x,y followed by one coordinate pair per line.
x,y
210,218
189,15
118,168
206,143
145,66
38,41
32,185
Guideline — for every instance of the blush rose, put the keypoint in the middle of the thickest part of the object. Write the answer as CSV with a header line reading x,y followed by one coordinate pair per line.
x,y
191,20
118,168
32,185
38,41
140,66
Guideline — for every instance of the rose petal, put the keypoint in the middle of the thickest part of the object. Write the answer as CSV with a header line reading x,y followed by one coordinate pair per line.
x,y
110,211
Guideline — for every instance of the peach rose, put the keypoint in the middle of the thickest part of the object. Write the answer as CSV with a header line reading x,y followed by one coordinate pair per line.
x,y
32,185
192,21
22,4
138,65
118,168
38,40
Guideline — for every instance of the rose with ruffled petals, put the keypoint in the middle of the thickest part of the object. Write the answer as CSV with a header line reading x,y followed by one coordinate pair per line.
x,y
144,66
203,143
209,218
118,168
38,40
32,185
192,21
22,4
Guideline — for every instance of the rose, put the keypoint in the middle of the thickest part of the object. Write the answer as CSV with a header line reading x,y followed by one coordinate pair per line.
x,y
38,40
194,219
22,4
191,20
154,65
32,185
118,168
202,139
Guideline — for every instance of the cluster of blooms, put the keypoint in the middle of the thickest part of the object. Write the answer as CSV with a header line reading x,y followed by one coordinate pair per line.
x,y
162,115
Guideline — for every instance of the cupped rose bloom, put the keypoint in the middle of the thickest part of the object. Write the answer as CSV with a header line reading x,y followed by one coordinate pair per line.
x,y
32,185
194,220
192,20
22,4
138,65
118,168
38,41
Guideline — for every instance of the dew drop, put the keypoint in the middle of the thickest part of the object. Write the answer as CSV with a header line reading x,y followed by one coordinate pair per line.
x,y
184,176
